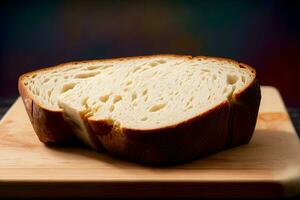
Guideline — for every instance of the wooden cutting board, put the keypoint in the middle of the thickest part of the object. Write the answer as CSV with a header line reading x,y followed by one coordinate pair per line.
x,y
268,166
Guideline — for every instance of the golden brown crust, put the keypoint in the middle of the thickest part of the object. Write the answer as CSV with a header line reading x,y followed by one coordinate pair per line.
x,y
244,112
229,124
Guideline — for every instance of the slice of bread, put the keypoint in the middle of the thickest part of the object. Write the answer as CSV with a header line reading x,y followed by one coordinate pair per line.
x,y
159,109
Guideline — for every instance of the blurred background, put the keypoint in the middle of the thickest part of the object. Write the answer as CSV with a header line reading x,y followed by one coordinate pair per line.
x,y
264,34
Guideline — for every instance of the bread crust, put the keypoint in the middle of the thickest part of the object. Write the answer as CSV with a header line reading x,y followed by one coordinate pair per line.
x,y
49,125
244,111
229,124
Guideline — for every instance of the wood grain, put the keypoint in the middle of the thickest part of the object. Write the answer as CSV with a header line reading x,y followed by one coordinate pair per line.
x,y
268,166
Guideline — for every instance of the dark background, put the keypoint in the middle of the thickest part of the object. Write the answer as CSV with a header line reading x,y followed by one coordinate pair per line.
x,y
264,34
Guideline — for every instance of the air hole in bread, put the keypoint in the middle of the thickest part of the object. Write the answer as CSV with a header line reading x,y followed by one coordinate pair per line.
x,y
144,69
107,66
188,108
136,68
111,108
66,77
241,66
153,64
157,107
92,67
70,69
34,75
214,77
224,90
67,87
97,109
146,98
161,61
129,83
84,102
104,98
145,92
117,98
49,93
133,96
46,80
231,79
187,103
87,75
205,70
243,79
144,118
